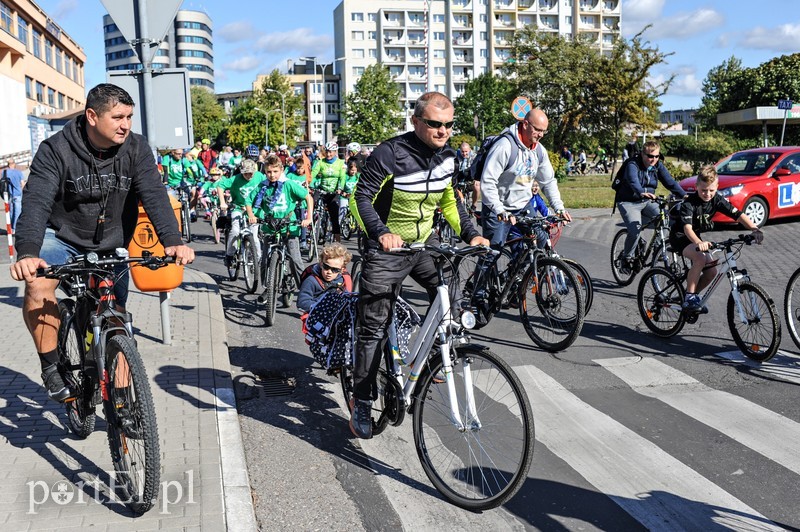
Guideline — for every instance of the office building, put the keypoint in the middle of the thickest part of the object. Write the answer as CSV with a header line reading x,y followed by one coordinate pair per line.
x,y
442,44
188,44
41,73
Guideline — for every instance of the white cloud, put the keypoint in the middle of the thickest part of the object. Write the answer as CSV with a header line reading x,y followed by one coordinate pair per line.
x,y
683,25
64,8
639,13
784,38
236,31
243,64
685,82
297,39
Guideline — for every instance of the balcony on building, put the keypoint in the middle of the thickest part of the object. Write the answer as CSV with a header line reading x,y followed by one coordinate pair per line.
x,y
504,20
526,4
591,37
611,23
589,5
503,38
415,90
548,22
589,23
461,4
394,37
504,5
462,21
416,73
462,38
462,74
398,73
462,56
611,6
416,19
546,6
416,38
416,55
394,55
526,20
393,18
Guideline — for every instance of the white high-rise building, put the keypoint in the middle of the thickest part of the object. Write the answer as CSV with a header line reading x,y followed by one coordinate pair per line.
x,y
441,44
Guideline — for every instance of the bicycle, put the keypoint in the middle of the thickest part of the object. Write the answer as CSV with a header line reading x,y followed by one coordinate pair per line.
x,y
443,229
244,256
99,361
752,317
791,307
472,422
183,197
554,229
347,222
278,275
656,251
544,288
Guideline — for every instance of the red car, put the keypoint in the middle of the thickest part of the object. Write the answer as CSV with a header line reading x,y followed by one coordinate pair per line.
x,y
762,182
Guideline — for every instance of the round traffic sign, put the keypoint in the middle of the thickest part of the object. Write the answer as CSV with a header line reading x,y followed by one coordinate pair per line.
x,y
520,107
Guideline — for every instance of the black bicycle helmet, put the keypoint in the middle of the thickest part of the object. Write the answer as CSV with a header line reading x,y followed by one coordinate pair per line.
x,y
251,152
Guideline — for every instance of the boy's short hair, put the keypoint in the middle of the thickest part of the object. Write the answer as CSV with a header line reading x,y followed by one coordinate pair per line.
x,y
650,145
707,174
335,251
273,160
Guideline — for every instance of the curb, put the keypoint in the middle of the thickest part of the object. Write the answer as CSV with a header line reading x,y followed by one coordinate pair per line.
x,y
237,499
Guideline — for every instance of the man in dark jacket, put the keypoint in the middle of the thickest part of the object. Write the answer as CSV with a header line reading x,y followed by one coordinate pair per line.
x,y
640,177
82,195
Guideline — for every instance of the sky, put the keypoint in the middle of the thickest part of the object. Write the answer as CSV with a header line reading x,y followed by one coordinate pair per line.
x,y
252,37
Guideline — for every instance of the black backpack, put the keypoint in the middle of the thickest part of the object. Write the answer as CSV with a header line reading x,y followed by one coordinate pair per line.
x,y
5,185
476,169
617,181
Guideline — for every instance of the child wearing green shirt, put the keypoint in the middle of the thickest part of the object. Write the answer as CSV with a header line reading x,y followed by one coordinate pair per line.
x,y
243,188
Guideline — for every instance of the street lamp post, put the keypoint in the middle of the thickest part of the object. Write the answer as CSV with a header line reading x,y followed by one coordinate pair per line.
x,y
283,110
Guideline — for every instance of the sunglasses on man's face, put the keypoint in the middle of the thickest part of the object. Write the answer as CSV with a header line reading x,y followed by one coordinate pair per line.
x,y
435,124
652,155
326,266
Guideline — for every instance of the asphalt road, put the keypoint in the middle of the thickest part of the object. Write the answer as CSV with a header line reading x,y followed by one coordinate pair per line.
x,y
633,431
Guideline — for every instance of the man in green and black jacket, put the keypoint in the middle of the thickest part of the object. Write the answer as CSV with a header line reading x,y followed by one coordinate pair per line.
x,y
403,182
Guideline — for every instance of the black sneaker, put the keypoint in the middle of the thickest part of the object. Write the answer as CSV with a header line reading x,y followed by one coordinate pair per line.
x,y
361,418
625,266
57,390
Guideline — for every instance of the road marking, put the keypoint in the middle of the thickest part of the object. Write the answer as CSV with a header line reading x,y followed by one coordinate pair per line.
x,y
783,366
754,426
658,490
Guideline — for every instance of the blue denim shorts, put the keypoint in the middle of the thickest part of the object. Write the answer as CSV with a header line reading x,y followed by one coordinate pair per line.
x,y
56,251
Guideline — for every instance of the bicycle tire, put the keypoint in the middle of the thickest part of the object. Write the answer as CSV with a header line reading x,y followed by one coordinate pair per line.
x,y
233,268
485,465
355,273
659,298
759,338
270,289
551,304
80,411
791,307
617,249
186,218
214,218
282,283
584,281
345,227
136,458
250,264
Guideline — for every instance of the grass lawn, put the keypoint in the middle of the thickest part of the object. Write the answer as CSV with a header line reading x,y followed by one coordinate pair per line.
x,y
585,191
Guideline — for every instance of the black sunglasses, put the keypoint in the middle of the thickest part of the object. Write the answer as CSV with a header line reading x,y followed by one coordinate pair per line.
x,y
330,268
435,124
652,155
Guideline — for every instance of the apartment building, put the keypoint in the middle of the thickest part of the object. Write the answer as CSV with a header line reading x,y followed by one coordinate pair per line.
x,y
41,73
442,44
188,43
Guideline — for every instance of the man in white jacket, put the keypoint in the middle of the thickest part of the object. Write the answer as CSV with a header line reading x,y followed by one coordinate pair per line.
x,y
514,161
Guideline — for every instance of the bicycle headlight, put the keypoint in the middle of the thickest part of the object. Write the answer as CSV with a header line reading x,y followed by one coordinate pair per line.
x,y
731,191
92,257
467,319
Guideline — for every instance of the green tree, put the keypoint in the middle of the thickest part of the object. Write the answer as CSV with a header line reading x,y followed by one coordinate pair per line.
x,y
247,125
372,112
208,116
268,98
718,86
488,98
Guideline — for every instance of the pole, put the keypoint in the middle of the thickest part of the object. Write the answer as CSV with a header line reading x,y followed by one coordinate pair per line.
x,y
324,110
266,129
166,335
9,231
783,129
147,75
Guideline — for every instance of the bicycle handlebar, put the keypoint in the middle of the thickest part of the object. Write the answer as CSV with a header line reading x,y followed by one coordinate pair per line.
x,y
727,244
443,249
91,262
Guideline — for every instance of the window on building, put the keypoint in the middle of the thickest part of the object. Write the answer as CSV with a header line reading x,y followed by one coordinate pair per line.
x,y
484,52
439,71
483,36
40,92
330,88
36,43
438,54
6,20
29,87
372,17
60,101
438,18
373,53
358,71
483,18
59,60
330,109
358,35
48,52
316,109
70,103
568,20
438,35
22,31
51,97
358,53
372,35
68,66
357,17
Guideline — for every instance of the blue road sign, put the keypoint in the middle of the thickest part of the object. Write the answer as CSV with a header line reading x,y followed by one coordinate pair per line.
x,y
785,104
520,107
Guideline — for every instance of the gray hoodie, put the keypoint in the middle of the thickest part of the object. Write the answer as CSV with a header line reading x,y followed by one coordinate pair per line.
x,y
510,190
66,186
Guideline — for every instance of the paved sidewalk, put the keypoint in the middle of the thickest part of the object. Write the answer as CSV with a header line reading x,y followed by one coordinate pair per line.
x,y
54,481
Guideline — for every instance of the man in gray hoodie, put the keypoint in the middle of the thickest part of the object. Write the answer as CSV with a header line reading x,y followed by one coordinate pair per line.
x,y
82,195
514,161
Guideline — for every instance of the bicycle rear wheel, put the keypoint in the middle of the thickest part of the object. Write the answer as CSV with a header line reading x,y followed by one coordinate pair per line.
x,y
791,307
233,267
485,464
132,427
759,335
80,411
617,250
186,221
250,264
660,301
551,304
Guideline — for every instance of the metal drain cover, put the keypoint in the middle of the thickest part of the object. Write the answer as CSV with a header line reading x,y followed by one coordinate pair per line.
x,y
272,386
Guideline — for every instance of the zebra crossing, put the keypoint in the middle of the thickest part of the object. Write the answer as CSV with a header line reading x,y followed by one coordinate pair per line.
x,y
657,489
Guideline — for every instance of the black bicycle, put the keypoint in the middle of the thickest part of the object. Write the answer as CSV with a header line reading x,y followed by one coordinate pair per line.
x,y
183,191
278,275
99,361
647,254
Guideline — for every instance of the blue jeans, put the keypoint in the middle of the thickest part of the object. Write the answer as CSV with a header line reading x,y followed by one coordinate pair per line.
x,y
55,251
15,209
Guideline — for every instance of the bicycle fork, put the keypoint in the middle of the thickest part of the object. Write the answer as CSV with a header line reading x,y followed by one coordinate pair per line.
x,y
735,277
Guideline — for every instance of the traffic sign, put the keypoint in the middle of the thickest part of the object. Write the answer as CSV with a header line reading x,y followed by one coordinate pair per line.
x,y
520,107
159,15
785,104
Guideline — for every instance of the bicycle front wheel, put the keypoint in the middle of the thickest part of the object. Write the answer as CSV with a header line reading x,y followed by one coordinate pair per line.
x,y
186,221
660,301
132,428
791,307
622,276
584,281
233,267
80,411
551,304
754,322
271,289
483,464
250,265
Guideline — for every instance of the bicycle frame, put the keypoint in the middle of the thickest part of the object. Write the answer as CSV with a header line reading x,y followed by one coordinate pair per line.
x,y
728,269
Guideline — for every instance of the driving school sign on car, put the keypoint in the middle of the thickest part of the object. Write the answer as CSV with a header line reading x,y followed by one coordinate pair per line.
x,y
788,194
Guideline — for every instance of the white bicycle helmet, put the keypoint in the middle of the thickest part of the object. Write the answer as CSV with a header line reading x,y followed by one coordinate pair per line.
x,y
354,146
332,146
